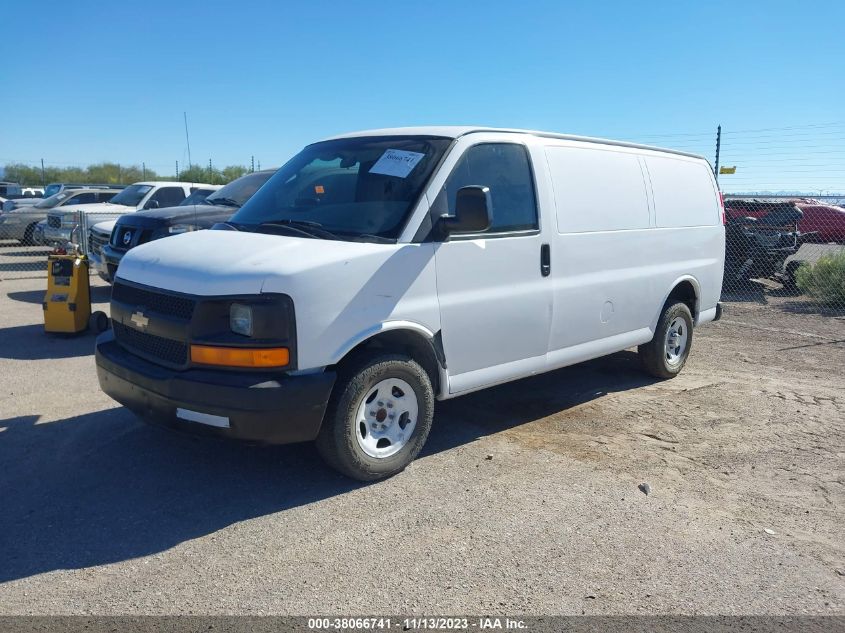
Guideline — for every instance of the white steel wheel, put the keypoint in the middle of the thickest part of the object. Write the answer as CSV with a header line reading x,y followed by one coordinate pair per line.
x,y
665,355
387,417
677,335
378,417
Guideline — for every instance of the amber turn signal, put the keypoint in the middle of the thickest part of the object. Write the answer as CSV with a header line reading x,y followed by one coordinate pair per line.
x,y
240,356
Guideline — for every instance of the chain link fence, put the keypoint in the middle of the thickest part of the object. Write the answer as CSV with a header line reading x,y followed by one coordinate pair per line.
x,y
786,251
28,236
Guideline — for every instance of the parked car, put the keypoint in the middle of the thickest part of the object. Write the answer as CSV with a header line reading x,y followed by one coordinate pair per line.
x,y
62,224
19,223
55,187
823,222
379,271
134,229
8,189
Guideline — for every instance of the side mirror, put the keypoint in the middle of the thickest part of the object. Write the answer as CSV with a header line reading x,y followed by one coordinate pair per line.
x,y
151,204
472,211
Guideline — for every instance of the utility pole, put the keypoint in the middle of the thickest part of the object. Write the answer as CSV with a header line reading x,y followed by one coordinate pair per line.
x,y
718,148
252,164
210,173
187,139
177,170
144,171
119,176
43,180
259,165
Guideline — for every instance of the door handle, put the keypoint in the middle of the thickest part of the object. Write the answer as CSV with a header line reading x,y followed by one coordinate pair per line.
x,y
545,260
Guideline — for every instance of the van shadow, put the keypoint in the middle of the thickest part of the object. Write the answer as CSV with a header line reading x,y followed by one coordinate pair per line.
x,y
103,487
496,409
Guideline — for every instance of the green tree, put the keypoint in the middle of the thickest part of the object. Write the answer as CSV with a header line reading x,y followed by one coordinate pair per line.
x,y
233,172
106,173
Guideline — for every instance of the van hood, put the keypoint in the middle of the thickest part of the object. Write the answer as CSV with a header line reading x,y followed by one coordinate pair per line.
x,y
231,262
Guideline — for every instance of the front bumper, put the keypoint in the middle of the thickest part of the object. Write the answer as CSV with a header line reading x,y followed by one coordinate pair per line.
x,y
111,257
97,262
271,408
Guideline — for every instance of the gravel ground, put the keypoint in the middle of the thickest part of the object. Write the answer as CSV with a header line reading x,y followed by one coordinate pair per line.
x,y
526,499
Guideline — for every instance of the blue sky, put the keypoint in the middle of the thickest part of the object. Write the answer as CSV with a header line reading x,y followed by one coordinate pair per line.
x,y
91,81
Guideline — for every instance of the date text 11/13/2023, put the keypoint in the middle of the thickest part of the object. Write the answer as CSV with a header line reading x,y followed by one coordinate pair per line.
x,y
415,623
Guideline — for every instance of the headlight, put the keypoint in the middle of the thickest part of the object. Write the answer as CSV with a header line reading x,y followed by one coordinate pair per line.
x,y
240,319
181,228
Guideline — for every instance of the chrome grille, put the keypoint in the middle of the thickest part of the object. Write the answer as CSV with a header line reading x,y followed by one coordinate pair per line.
x,y
96,241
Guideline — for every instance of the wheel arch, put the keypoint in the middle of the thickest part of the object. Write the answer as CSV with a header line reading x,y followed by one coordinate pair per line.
x,y
687,290
407,337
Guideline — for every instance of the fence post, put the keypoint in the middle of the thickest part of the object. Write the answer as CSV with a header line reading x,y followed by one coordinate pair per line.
x,y
718,147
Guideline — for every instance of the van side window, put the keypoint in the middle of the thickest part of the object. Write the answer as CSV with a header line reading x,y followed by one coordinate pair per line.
x,y
504,168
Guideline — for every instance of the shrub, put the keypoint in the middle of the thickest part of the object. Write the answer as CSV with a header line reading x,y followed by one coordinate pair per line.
x,y
824,280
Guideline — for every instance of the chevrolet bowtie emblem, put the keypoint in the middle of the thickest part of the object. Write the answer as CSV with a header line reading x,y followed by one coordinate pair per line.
x,y
140,320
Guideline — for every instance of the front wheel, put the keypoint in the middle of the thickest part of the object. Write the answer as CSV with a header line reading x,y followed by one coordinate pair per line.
x,y
378,418
665,355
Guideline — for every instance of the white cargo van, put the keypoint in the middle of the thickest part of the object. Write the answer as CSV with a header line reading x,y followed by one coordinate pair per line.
x,y
380,271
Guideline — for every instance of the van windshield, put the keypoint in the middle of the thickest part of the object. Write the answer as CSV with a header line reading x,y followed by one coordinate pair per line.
x,y
355,188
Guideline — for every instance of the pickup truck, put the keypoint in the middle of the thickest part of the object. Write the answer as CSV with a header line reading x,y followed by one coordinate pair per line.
x,y
62,224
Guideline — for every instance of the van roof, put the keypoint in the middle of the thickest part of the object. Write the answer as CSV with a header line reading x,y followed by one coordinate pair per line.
x,y
456,131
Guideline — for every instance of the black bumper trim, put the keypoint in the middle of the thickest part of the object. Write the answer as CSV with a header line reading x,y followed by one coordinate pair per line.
x,y
269,408
718,311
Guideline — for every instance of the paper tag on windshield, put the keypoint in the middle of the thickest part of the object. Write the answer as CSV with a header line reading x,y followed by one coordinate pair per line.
x,y
396,162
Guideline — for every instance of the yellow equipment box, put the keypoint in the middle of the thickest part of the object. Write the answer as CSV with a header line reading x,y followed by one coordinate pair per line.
x,y
67,304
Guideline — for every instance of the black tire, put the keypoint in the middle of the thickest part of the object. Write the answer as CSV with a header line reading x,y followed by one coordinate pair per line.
x,y
27,235
98,322
653,355
789,282
337,442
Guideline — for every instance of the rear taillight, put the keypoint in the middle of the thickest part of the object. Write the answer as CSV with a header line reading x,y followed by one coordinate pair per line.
x,y
722,207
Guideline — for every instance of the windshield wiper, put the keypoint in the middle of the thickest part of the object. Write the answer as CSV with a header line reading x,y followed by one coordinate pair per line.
x,y
223,202
366,237
306,227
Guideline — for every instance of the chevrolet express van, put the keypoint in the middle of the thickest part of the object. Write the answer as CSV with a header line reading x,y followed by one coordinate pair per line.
x,y
380,271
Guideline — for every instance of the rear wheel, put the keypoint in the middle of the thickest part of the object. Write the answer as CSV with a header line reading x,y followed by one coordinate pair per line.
x,y
27,235
378,418
665,355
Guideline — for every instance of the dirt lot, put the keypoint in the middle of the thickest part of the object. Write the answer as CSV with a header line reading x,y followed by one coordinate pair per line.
x,y
525,501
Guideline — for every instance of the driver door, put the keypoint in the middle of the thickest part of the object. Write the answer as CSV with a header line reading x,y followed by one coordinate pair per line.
x,y
495,296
